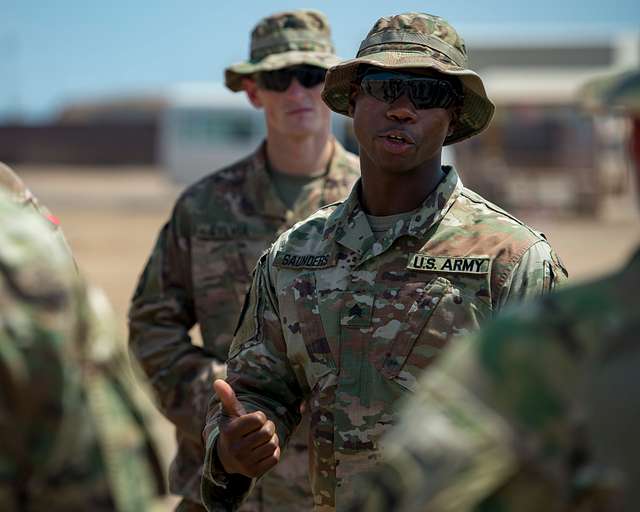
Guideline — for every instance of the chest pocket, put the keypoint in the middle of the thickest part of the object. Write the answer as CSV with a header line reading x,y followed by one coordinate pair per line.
x,y
310,322
431,314
221,277
399,331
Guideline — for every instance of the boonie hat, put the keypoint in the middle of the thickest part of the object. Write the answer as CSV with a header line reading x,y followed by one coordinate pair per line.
x,y
414,41
285,39
615,93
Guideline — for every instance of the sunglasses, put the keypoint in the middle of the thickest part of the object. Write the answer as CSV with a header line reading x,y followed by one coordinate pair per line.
x,y
280,79
423,91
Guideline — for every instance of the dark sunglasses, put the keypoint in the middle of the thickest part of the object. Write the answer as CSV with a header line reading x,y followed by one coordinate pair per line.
x,y
280,79
423,91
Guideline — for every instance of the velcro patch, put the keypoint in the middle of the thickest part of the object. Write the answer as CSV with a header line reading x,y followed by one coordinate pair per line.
x,y
470,265
300,261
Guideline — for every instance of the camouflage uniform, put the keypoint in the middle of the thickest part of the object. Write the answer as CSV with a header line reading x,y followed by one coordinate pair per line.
x,y
12,185
539,412
199,272
72,428
348,323
200,269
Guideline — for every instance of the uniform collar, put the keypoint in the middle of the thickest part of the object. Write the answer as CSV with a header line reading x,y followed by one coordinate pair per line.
x,y
262,193
349,226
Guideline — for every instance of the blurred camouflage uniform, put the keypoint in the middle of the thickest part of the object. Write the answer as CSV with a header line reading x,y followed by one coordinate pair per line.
x,y
72,428
12,185
539,412
348,322
200,271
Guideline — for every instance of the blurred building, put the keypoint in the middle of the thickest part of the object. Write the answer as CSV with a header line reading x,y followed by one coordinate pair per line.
x,y
112,131
541,149
189,130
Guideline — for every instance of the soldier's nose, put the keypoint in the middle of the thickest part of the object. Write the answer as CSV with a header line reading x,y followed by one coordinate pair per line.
x,y
295,88
402,110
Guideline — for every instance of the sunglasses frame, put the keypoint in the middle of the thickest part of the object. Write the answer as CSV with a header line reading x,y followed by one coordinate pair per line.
x,y
447,95
280,80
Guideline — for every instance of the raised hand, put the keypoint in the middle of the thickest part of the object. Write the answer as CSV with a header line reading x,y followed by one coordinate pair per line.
x,y
248,443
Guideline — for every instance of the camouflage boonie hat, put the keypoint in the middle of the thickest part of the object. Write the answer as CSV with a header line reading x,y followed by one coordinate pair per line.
x,y
415,41
617,93
285,39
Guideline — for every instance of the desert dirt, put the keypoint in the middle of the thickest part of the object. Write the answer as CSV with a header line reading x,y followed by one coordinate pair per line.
x,y
111,217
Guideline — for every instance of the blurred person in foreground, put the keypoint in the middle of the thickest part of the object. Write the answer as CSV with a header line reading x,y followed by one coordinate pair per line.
x,y
17,190
73,435
351,305
200,268
538,412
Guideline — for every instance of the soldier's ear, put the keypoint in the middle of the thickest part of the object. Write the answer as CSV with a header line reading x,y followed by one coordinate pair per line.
x,y
454,115
251,89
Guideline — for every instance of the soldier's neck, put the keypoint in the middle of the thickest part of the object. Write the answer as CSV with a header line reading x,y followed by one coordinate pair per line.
x,y
387,193
300,156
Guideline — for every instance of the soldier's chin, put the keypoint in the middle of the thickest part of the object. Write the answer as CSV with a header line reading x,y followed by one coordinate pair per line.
x,y
304,128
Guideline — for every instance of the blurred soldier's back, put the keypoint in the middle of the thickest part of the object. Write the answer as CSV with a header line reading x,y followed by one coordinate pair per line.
x,y
73,432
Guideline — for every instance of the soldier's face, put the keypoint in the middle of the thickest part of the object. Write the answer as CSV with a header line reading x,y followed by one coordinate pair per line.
x,y
397,137
296,112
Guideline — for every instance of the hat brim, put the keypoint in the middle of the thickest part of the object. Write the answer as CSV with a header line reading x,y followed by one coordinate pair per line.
x,y
234,74
477,108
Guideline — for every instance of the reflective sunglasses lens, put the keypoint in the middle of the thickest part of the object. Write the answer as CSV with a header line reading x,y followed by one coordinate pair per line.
x,y
387,90
278,80
310,76
424,92
432,93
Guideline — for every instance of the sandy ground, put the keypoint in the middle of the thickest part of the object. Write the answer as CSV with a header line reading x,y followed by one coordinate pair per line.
x,y
111,218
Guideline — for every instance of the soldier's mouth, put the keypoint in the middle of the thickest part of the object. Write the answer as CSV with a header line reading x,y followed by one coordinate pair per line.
x,y
398,136
397,142
301,110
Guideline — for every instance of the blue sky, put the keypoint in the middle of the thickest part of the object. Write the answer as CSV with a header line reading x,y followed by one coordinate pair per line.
x,y
53,51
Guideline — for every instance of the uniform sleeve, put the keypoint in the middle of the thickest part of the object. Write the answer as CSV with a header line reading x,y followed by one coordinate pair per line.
x,y
38,317
21,443
160,317
261,376
538,272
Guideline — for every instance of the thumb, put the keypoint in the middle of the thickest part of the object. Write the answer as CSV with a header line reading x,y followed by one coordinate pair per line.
x,y
232,407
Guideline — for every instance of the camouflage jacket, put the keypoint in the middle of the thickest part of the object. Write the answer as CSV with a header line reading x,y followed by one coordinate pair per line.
x,y
199,272
538,412
348,323
72,427
18,192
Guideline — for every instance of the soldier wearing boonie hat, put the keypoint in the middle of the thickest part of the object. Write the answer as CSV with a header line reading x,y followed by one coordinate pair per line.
x,y
200,268
411,42
285,40
537,411
351,305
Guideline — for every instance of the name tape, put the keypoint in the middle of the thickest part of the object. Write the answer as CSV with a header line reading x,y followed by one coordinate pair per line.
x,y
426,263
285,260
